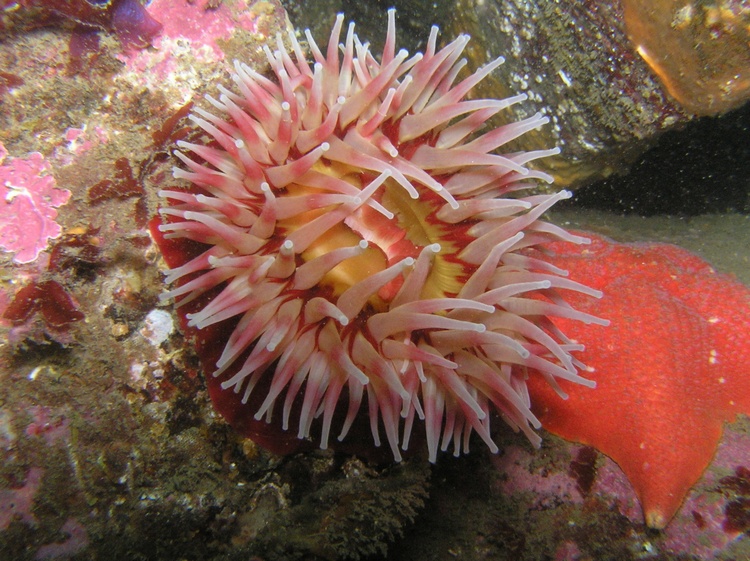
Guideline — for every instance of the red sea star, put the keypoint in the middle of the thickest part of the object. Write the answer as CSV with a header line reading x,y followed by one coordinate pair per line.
x,y
671,368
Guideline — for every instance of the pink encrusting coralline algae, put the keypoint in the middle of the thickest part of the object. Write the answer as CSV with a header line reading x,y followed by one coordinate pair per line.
x,y
16,503
27,212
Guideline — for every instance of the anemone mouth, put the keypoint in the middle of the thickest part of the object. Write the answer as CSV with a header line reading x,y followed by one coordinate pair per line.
x,y
409,228
372,245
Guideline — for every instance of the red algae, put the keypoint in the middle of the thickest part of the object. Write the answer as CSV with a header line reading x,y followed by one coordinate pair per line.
x,y
122,186
47,298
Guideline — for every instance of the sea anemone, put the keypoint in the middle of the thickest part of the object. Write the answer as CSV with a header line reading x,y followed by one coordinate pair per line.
x,y
369,247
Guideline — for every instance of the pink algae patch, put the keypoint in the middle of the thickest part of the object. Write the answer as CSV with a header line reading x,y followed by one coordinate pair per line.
x,y
548,487
48,425
192,42
79,141
203,22
77,539
699,526
27,209
568,551
17,503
